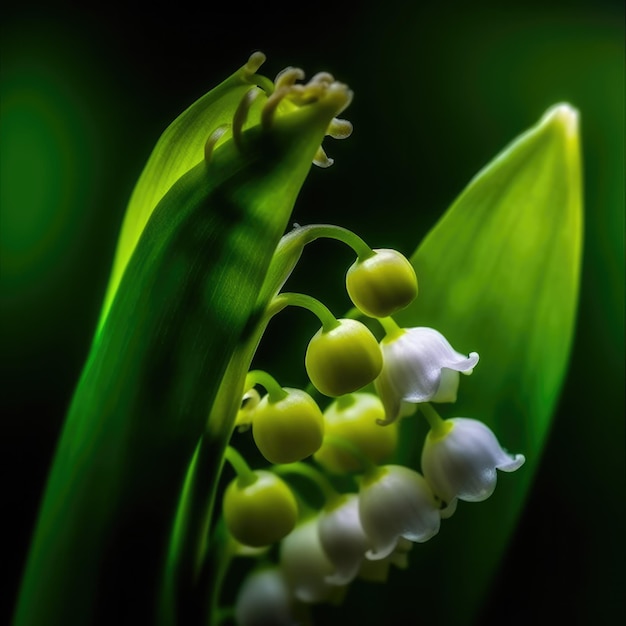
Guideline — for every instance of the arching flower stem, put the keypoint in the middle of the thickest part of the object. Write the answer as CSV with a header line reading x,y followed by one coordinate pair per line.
x,y
391,328
258,377
321,311
438,426
330,494
330,231
245,475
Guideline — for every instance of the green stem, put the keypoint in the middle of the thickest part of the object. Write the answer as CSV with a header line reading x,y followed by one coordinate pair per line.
x,y
274,391
392,330
438,425
330,231
345,401
302,469
245,475
321,311
223,545
205,585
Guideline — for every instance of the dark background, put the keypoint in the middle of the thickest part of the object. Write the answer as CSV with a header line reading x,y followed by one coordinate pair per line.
x,y
86,91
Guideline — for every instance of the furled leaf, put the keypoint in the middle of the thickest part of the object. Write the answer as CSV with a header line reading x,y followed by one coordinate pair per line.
x,y
141,406
499,275
180,147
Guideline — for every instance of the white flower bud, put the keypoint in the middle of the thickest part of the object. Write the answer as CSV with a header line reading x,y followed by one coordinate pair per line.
x,y
419,365
263,600
463,462
397,502
305,564
343,539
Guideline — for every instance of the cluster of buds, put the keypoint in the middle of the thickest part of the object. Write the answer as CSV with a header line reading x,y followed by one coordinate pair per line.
x,y
369,385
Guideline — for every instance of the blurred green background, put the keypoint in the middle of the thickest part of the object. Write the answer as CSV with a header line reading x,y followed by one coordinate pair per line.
x,y
439,90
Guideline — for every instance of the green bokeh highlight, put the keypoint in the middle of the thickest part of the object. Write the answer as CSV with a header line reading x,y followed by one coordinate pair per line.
x,y
47,167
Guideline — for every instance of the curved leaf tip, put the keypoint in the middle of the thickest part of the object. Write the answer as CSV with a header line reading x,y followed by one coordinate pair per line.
x,y
565,115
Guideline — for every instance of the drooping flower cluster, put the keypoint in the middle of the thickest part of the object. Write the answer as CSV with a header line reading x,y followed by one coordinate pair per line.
x,y
366,384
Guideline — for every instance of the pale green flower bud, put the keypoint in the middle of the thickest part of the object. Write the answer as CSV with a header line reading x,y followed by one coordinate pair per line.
x,y
354,419
382,284
462,462
259,513
289,429
343,359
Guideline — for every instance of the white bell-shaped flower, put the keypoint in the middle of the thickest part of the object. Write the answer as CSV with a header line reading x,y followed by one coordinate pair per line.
x,y
419,365
343,539
462,462
304,563
264,600
397,502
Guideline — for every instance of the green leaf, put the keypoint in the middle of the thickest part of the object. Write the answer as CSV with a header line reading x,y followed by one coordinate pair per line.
x,y
182,308
499,275
180,147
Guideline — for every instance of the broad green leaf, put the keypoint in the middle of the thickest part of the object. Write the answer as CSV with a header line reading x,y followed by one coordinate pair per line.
x,y
499,274
181,310
189,588
180,147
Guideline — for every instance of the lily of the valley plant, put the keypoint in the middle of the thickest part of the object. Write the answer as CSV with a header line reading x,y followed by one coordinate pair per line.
x,y
150,500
